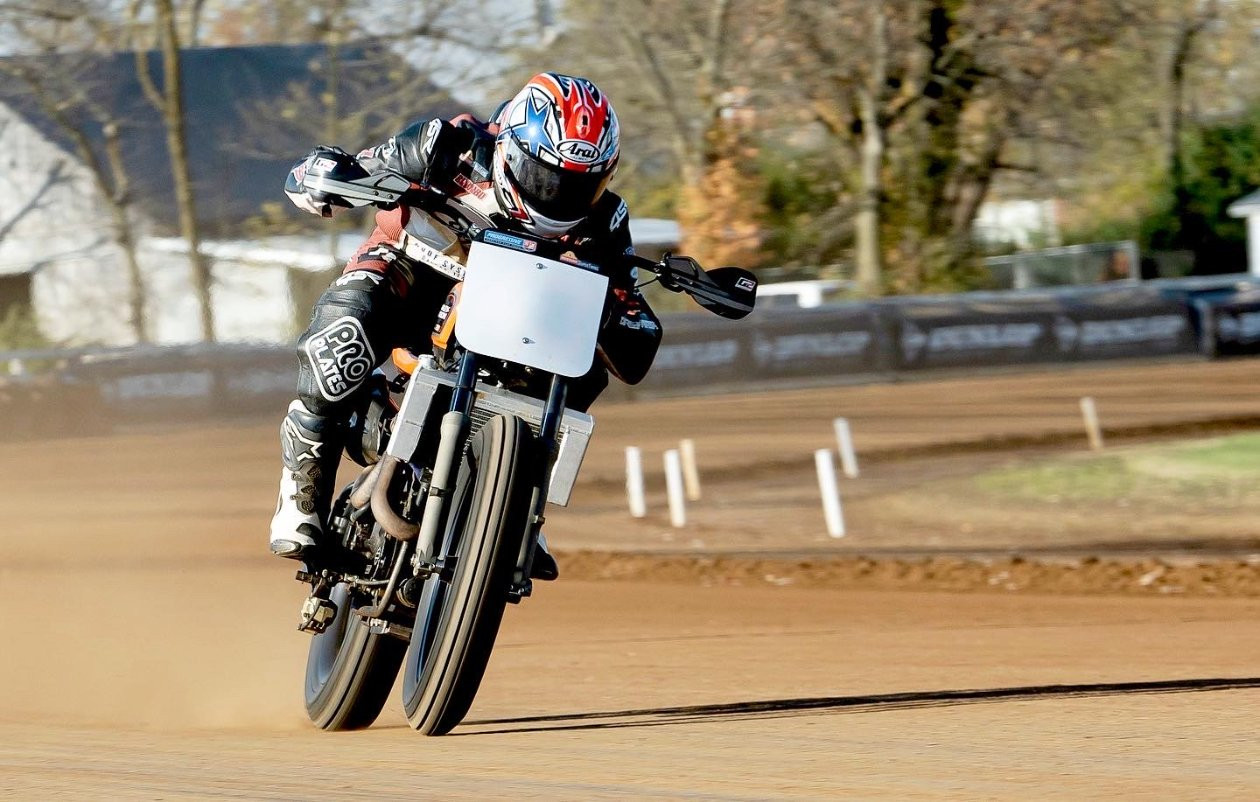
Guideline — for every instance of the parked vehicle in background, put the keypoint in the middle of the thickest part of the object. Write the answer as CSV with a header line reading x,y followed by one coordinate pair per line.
x,y
800,294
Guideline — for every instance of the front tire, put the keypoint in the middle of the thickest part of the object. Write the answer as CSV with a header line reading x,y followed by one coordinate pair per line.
x,y
457,621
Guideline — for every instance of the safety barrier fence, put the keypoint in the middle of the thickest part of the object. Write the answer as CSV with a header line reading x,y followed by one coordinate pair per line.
x,y
88,389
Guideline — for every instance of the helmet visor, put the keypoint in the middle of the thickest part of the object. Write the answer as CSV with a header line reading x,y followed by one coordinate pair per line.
x,y
549,189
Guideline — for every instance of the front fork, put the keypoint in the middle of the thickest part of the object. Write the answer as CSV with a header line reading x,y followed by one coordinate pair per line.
x,y
549,439
454,431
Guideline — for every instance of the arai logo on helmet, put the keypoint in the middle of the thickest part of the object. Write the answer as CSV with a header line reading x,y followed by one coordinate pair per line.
x,y
575,150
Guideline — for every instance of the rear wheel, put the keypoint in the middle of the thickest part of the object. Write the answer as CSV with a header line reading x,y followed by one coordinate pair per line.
x,y
349,669
457,621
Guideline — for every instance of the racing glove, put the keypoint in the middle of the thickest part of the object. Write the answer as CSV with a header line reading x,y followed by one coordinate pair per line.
x,y
324,204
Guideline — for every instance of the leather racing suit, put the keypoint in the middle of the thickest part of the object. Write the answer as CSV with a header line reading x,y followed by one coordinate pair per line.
x,y
384,300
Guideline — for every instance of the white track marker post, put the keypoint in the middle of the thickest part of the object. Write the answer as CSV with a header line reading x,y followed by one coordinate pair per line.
x,y
844,439
674,489
830,493
634,482
1090,412
691,476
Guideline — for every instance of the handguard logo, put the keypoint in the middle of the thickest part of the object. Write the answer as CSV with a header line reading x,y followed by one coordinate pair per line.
x,y
341,357
359,275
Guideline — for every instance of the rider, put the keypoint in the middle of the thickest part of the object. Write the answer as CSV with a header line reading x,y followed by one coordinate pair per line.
x,y
539,167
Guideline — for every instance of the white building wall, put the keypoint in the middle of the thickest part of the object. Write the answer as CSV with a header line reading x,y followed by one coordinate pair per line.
x,y
80,289
78,279
253,303
252,298
83,299
1253,243
1024,224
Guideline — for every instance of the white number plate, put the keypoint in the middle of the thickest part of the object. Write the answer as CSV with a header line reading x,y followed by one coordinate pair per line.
x,y
533,311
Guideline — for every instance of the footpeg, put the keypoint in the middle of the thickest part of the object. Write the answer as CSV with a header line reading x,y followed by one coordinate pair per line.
x,y
316,613
517,593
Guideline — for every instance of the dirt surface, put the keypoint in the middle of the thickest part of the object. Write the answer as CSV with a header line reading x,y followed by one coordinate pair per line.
x,y
612,690
1038,572
150,651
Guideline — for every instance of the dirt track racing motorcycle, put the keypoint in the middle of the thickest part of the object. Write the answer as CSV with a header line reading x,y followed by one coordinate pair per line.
x,y
439,532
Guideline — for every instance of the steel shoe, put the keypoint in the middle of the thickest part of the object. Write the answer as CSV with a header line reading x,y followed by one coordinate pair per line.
x,y
544,567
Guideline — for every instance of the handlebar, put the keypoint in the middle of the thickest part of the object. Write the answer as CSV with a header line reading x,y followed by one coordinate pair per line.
x,y
729,292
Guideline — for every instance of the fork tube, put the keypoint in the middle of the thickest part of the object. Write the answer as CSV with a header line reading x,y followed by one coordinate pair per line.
x,y
465,384
553,413
454,427
548,435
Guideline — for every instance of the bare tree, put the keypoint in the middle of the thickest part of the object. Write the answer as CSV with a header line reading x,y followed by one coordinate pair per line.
x,y
36,198
1188,23
371,75
65,40
931,100
843,60
169,101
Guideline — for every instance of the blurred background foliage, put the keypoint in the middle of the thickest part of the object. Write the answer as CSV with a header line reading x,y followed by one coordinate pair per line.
x,y
856,138
790,133
18,329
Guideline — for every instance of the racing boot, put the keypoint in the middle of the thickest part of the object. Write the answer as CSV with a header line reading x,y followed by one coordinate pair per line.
x,y
311,447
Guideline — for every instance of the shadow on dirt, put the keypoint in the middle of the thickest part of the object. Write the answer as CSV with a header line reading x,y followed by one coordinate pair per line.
x,y
875,703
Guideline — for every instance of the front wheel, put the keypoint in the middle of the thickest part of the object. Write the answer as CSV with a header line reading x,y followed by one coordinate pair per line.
x,y
457,621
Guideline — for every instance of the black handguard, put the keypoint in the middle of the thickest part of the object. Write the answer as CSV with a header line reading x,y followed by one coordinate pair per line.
x,y
338,177
728,292
323,160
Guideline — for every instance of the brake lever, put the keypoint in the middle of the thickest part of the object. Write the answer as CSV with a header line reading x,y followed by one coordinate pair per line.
x,y
658,269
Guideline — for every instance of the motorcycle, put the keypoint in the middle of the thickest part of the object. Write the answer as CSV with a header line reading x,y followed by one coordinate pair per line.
x,y
463,451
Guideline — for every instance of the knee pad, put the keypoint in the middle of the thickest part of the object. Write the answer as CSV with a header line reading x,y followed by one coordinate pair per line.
x,y
348,336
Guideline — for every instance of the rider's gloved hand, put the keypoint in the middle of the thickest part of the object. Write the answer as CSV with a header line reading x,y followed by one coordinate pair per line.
x,y
321,159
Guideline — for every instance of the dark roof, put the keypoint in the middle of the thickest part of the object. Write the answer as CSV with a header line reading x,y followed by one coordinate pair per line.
x,y
251,112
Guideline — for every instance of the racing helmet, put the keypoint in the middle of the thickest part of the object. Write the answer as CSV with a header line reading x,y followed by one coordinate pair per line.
x,y
555,153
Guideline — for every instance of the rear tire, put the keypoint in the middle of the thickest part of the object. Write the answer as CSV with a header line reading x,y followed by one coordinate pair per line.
x,y
457,622
349,669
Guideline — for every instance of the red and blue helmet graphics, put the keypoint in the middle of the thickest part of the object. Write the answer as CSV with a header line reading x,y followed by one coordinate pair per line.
x,y
556,150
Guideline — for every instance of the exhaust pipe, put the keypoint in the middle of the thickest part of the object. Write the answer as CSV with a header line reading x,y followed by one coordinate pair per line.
x,y
361,495
378,489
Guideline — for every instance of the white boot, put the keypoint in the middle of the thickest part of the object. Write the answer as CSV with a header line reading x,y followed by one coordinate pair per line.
x,y
295,527
311,447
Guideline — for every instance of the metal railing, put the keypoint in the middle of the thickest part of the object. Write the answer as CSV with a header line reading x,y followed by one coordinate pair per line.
x,y
1093,263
